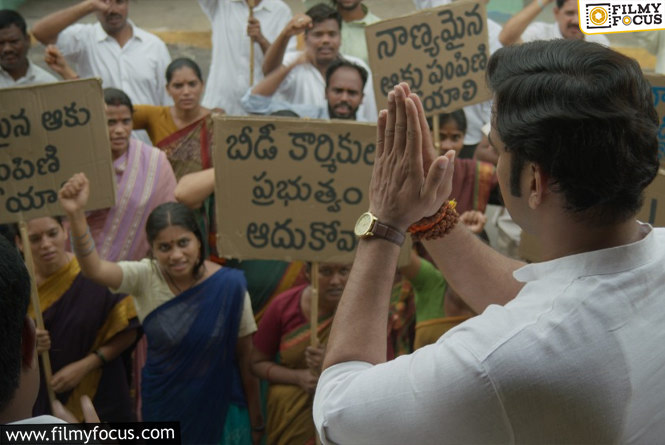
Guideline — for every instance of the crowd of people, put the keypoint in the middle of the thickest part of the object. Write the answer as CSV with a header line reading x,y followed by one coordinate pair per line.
x,y
144,320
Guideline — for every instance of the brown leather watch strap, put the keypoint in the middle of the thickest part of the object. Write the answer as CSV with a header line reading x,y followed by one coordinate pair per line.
x,y
386,232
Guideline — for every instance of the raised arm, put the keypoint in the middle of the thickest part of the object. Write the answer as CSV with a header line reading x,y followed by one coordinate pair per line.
x,y
275,55
402,191
269,84
73,198
513,29
194,188
46,30
56,61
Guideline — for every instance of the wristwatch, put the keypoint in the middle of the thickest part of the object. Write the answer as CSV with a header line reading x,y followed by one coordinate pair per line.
x,y
368,226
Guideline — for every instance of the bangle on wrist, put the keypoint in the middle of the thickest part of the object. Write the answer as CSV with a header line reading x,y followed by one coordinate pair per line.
x,y
99,354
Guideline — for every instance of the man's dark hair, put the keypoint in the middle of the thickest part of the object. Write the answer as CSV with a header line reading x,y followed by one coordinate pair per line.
x,y
585,115
116,97
341,63
14,300
322,12
560,3
9,17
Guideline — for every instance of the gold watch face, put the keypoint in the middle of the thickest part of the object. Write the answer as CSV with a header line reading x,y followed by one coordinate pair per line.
x,y
364,224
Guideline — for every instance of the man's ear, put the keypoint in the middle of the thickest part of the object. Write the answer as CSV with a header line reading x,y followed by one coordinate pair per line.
x,y
28,343
538,185
18,242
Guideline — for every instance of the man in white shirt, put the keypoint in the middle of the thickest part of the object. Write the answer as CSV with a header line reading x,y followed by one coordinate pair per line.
x,y
15,67
231,27
305,83
344,92
122,54
570,350
566,24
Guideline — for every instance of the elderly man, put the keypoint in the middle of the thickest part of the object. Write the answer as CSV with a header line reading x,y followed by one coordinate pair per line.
x,y
570,350
114,48
15,67
305,83
566,24
344,92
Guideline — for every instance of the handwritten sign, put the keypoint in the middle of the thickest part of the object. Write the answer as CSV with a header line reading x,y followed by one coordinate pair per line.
x,y
658,88
48,133
291,189
441,53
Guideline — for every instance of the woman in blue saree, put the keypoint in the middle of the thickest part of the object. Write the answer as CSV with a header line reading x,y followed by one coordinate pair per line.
x,y
197,318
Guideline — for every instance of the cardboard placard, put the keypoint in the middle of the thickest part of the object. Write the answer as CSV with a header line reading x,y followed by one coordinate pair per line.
x,y
48,133
441,53
657,82
291,189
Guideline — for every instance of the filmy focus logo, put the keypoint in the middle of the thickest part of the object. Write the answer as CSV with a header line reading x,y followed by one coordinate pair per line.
x,y
604,17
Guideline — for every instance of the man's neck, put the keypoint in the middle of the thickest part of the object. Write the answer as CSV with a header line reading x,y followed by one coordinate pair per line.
x,y
123,36
569,237
351,15
20,71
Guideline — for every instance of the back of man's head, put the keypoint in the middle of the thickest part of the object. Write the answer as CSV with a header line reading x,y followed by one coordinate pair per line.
x,y
322,12
9,17
585,114
14,300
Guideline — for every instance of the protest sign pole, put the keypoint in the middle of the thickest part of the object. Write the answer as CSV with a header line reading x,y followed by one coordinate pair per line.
x,y
34,297
314,305
251,46
314,315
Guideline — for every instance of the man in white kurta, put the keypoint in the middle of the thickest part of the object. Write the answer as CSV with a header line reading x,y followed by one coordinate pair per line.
x,y
570,350
123,55
229,70
306,85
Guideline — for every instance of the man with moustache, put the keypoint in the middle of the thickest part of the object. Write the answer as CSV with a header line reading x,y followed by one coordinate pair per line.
x,y
15,67
305,83
344,92
122,54
520,29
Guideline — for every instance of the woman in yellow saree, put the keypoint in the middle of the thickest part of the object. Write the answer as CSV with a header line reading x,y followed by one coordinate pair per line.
x,y
284,357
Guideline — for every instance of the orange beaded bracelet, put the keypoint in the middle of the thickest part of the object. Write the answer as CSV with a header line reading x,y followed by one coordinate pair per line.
x,y
437,225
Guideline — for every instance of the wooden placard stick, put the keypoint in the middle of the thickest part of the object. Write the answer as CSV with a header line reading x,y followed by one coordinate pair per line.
x,y
435,131
314,305
34,296
251,4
